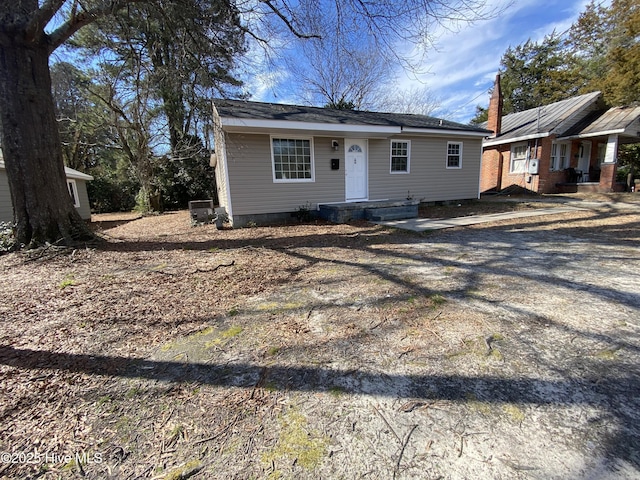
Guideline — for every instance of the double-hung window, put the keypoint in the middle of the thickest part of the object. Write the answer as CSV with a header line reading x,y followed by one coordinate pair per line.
x,y
554,164
564,156
454,154
518,158
292,159
559,156
400,156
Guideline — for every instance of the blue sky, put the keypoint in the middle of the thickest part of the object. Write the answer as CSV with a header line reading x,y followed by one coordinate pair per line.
x,y
463,66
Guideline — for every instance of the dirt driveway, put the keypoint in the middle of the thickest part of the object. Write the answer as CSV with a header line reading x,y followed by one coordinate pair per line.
x,y
506,350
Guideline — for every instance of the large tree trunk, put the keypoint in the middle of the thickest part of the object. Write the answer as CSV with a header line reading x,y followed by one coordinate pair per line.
x,y
43,210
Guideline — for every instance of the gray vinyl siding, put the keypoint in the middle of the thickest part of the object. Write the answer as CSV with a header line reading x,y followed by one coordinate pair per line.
x,y
253,190
84,209
6,207
429,180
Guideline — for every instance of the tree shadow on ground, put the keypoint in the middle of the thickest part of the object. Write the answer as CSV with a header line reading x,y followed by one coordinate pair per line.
x,y
619,395
615,390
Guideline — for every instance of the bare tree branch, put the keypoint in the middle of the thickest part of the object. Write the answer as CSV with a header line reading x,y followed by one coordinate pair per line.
x,y
78,20
287,21
43,15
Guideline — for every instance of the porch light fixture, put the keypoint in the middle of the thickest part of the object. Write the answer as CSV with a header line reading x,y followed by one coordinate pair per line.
x,y
335,144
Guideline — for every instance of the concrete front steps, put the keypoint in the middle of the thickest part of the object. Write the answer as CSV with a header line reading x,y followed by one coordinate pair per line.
x,y
376,211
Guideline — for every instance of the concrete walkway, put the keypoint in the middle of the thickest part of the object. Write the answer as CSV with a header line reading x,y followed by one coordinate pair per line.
x,y
425,224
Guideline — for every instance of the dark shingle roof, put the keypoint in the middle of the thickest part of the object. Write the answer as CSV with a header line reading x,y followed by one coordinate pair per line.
x,y
296,113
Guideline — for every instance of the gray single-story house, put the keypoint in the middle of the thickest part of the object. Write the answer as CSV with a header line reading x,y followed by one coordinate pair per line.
x,y
76,182
272,159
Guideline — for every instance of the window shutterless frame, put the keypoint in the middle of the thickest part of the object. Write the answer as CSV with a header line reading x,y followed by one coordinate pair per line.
x,y
292,159
518,161
400,156
454,155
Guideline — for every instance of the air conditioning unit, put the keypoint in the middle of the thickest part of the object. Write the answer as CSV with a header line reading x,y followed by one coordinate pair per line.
x,y
534,165
201,210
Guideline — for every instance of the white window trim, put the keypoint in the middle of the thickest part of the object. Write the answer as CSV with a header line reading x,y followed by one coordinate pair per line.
x,y
399,172
526,157
71,185
273,160
446,160
556,147
561,161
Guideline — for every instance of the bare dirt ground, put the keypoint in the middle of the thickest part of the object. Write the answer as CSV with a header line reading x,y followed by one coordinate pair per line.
x,y
505,350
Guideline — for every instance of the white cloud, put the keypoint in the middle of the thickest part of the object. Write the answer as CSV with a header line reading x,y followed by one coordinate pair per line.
x,y
463,68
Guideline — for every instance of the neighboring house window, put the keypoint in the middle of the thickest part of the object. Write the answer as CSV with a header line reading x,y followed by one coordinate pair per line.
x,y
292,159
400,156
559,156
73,191
518,158
454,154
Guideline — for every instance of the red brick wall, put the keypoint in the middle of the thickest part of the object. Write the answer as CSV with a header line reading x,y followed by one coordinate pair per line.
x,y
608,177
490,171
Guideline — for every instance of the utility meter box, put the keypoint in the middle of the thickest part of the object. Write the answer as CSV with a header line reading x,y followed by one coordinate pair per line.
x,y
534,165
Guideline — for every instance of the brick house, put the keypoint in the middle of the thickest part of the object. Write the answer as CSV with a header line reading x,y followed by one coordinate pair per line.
x,y
567,146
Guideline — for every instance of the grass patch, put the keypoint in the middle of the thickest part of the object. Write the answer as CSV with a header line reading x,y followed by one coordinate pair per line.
x,y
296,442
231,332
132,392
189,469
608,353
514,413
336,391
69,281
477,405
224,336
437,300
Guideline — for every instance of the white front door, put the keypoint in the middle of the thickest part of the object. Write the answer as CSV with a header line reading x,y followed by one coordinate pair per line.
x,y
355,170
584,159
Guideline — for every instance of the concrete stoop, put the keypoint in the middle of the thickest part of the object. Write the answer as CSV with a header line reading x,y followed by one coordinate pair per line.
x,y
377,211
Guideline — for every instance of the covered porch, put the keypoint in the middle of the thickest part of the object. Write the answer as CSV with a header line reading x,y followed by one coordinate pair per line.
x,y
595,146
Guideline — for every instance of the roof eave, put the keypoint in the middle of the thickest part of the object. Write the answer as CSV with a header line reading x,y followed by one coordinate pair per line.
x,y
75,174
68,173
502,141
248,125
445,131
594,134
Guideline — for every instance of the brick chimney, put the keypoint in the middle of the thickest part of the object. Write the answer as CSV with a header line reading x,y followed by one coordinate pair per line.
x,y
494,120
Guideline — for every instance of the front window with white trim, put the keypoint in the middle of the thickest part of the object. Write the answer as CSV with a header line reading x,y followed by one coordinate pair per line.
x,y
73,191
559,156
518,158
400,156
454,154
292,159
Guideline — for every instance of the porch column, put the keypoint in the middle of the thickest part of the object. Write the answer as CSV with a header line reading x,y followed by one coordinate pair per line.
x,y
609,167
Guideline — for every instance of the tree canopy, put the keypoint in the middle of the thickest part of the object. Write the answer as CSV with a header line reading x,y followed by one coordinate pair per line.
x,y
600,51
172,53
